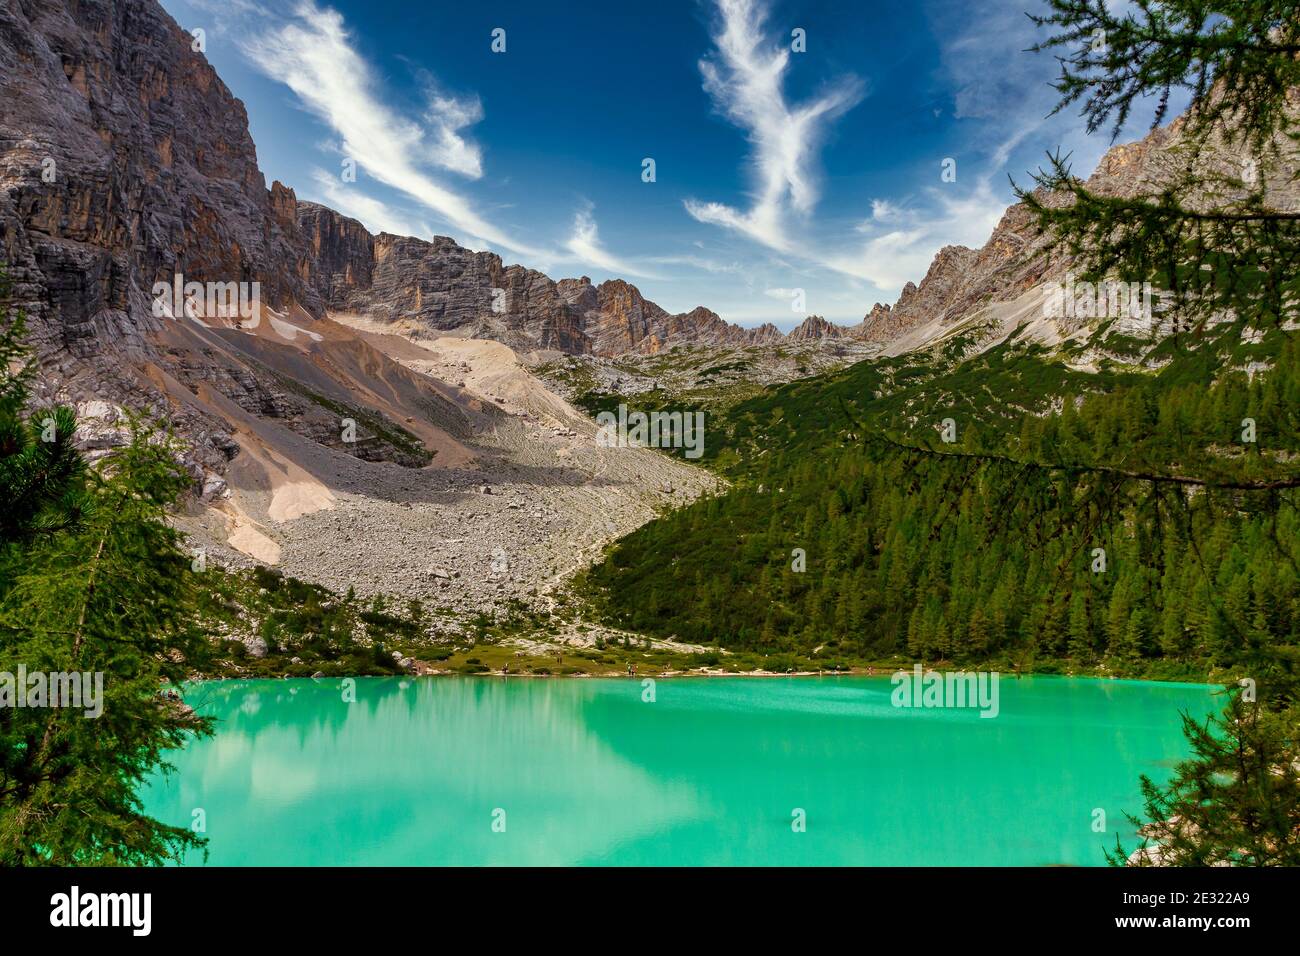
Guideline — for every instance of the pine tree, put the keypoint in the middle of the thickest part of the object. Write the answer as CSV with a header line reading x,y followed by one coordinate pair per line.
x,y
917,638
1235,801
40,472
92,581
1080,646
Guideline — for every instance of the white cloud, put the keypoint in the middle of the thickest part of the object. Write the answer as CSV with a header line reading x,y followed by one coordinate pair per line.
x,y
890,259
224,7
1013,102
585,246
698,262
882,210
999,112
313,55
745,78
447,116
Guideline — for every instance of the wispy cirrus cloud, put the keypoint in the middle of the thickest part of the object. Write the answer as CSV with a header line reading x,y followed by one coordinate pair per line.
x,y
313,54
883,210
584,245
998,112
1011,107
745,76
702,263
446,117
902,243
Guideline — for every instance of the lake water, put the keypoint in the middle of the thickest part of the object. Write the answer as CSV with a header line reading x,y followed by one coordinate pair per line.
x,y
714,771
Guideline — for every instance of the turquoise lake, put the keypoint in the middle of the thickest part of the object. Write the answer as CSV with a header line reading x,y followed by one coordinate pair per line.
x,y
712,772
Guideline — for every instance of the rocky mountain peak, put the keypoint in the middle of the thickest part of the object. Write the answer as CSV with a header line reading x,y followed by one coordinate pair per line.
x,y
962,282
815,328
126,161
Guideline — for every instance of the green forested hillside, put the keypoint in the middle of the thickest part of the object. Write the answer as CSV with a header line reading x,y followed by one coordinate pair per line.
x,y
964,552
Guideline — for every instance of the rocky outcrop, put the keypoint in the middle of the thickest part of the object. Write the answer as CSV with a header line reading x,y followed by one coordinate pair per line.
x,y
125,161
961,282
814,329
443,287
940,293
873,323
704,326
623,319
438,286
337,254
765,334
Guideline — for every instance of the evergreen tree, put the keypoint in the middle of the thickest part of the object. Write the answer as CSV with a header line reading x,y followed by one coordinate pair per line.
x,y
92,581
1080,630
40,472
1235,801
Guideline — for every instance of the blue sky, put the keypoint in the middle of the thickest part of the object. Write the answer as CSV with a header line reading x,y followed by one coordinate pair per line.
x,y
775,170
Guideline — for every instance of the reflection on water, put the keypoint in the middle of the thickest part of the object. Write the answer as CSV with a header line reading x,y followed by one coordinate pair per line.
x,y
709,773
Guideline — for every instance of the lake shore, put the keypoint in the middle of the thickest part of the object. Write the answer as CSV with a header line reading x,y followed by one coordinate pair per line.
x,y
574,670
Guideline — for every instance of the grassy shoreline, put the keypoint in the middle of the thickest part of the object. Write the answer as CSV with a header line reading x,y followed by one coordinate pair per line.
x,y
503,659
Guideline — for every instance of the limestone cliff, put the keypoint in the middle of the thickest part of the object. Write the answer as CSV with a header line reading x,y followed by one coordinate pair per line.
x,y
440,287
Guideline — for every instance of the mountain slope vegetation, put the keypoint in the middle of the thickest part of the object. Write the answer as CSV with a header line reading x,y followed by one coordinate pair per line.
x,y
927,562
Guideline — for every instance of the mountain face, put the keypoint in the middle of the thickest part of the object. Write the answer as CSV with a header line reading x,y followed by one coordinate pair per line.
x,y
125,159
437,287
962,281
939,292
1001,285
814,329
126,162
